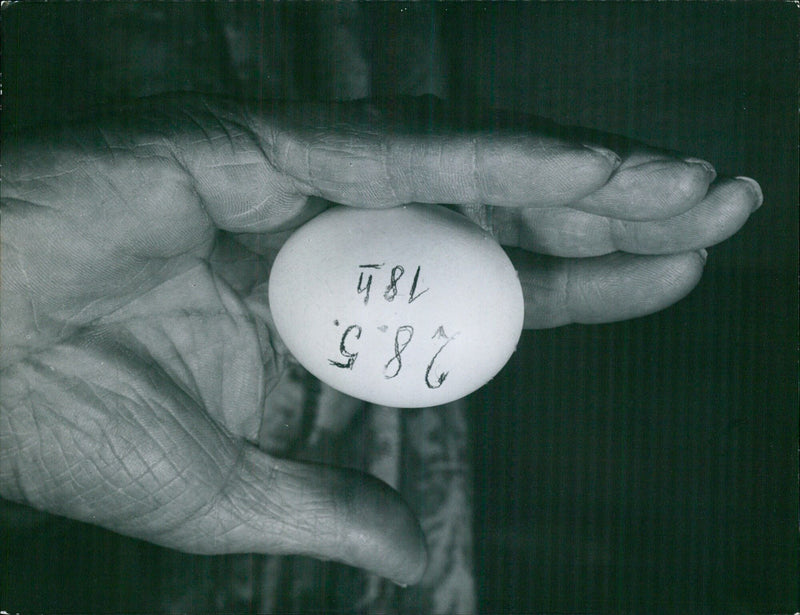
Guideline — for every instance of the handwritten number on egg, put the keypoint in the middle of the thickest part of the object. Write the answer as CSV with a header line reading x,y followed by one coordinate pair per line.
x,y
404,333
351,356
440,334
414,294
365,283
364,288
401,339
391,290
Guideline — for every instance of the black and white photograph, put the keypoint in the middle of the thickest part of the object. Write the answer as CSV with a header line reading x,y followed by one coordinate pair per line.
x,y
445,308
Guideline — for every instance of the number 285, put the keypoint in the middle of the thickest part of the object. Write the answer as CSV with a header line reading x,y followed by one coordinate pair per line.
x,y
403,336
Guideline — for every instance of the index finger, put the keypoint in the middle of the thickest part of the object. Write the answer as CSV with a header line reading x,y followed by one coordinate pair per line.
x,y
368,166
255,169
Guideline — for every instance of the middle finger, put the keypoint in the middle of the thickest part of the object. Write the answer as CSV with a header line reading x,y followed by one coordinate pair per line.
x,y
574,233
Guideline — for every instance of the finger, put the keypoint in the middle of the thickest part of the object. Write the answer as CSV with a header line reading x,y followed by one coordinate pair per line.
x,y
723,212
572,233
603,289
254,172
328,513
650,186
367,167
91,432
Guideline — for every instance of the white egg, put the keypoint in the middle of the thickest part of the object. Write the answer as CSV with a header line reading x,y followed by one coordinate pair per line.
x,y
408,307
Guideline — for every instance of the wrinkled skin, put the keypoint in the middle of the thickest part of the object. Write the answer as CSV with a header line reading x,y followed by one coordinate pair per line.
x,y
138,357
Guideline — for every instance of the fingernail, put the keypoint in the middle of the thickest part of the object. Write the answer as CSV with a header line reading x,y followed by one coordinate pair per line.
x,y
755,189
609,155
703,254
707,167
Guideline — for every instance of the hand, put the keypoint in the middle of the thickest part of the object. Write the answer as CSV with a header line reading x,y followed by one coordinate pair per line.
x,y
138,356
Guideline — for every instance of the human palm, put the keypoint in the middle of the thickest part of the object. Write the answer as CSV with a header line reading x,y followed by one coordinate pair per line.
x,y
138,355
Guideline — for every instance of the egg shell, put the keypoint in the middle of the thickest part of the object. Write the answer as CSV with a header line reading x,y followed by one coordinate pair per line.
x,y
407,307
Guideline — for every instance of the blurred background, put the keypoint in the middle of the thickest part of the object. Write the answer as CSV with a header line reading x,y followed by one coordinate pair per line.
x,y
649,465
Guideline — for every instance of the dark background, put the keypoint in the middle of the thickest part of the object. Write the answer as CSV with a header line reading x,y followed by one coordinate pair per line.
x,y
649,465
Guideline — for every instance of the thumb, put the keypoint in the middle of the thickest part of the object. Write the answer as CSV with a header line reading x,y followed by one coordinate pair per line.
x,y
323,512
92,432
